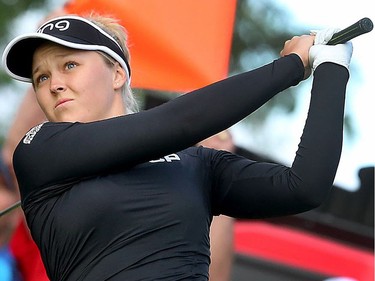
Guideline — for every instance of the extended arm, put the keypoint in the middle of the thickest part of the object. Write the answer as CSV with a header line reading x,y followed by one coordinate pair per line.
x,y
66,151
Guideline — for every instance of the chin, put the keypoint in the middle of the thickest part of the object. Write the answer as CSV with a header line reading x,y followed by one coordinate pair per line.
x,y
70,119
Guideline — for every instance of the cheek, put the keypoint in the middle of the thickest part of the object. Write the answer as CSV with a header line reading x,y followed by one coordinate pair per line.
x,y
96,81
44,101
96,91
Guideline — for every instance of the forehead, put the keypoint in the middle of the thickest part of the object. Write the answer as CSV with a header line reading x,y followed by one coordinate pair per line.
x,y
53,48
49,52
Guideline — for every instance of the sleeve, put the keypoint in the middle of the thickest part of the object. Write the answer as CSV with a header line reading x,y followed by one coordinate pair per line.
x,y
66,152
248,189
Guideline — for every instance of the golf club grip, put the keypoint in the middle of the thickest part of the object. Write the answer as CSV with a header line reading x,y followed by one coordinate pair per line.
x,y
360,27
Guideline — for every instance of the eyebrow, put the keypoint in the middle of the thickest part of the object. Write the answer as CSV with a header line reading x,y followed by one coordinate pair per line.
x,y
34,71
57,56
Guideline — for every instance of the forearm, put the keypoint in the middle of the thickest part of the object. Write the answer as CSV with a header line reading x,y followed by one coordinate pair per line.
x,y
320,148
209,110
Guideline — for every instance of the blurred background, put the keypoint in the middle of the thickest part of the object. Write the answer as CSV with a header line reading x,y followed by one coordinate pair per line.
x,y
272,133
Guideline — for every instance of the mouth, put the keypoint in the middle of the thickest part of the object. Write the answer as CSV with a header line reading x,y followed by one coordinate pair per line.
x,y
62,101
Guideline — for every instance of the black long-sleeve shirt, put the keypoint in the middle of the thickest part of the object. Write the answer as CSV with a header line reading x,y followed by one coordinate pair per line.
x,y
125,199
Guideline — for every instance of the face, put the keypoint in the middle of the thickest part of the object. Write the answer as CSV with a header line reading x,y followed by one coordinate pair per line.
x,y
76,86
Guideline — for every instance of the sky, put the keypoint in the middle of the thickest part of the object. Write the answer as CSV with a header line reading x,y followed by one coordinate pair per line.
x,y
358,150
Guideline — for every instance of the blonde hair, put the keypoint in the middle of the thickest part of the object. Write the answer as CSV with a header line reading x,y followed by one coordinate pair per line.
x,y
117,31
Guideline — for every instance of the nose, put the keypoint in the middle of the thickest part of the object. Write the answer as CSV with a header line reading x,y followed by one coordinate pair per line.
x,y
57,86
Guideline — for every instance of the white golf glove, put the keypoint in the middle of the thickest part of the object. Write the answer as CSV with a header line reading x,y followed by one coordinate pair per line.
x,y
320,52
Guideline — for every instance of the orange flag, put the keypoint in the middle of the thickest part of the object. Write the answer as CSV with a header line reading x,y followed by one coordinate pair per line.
x,y
174,45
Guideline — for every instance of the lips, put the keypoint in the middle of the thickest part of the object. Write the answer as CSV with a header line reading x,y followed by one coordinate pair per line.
x,y
62,101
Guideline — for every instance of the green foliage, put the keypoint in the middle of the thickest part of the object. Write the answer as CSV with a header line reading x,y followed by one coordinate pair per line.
x,y
260,30
9,11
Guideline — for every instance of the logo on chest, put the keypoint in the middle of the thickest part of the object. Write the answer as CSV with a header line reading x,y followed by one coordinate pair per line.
x,y
168,158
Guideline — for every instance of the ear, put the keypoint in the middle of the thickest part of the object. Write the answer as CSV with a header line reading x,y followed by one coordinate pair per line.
x,y
119,76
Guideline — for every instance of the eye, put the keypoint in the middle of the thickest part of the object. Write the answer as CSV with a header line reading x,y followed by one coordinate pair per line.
x,y
70,65
40,79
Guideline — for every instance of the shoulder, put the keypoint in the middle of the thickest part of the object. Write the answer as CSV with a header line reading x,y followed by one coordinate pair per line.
x,y
35,148
42,130
35,140
32,133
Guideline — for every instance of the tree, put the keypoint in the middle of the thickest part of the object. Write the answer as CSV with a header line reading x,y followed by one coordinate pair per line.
x,y
261,29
